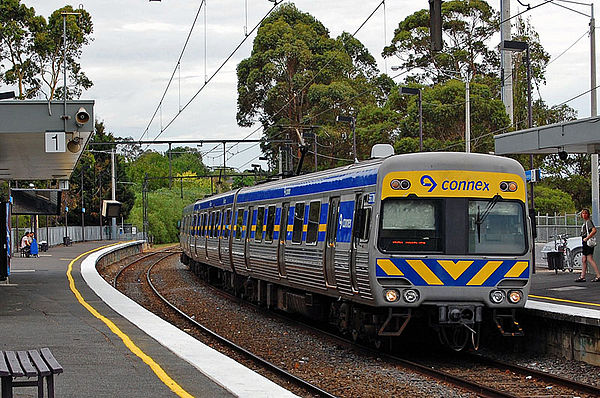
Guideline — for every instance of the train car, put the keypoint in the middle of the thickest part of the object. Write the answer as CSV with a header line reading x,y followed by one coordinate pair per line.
x,y
369,246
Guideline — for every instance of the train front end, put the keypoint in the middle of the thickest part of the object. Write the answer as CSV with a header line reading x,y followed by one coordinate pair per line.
x,y
453,237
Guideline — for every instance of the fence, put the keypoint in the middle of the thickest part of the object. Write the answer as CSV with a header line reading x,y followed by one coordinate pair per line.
x,y
54,235
548,226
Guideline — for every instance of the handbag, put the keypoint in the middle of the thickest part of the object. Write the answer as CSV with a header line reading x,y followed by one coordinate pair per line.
x,y
591,242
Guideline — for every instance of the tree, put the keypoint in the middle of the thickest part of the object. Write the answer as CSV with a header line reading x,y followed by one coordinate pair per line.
x,y
467,25
31,50
298,75
18,28
550,200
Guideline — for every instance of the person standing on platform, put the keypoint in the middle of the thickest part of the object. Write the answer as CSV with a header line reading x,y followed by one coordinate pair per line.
x,y
588,232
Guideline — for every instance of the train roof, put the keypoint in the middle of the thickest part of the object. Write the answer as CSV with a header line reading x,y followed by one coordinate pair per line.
x,y
362,174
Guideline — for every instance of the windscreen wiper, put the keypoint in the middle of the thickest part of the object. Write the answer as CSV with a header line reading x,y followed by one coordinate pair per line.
x,y
481,217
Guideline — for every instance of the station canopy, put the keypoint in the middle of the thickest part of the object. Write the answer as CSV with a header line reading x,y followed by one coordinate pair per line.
x,y
575,136
34,142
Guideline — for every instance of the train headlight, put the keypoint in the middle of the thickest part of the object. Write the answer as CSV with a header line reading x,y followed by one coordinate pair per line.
x,y
497,296
400,184
515,296
411,296
508,186
392,295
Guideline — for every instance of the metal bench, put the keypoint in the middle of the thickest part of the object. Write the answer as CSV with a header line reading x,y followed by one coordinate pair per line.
x,y
33,363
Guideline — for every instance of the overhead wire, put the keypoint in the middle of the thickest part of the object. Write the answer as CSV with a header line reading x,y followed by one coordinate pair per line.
x,y
275,4
177,65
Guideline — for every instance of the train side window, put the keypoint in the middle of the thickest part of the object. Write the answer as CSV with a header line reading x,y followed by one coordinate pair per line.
x,y
213,224
363,223
260,218
219,224
227,226
203,225
239,223
270,224
298,223
312,231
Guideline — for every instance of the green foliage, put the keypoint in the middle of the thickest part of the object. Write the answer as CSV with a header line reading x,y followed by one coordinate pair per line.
x,y
34,50
467,25
298,75
240,182
550,200
164,211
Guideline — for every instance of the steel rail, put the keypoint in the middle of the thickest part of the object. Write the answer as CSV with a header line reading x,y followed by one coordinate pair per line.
x,y
270,366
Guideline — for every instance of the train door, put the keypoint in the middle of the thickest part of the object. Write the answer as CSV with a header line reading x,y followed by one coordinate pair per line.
x,y
206,233
285,209
332,227
219,233
194,234
355,240
247,240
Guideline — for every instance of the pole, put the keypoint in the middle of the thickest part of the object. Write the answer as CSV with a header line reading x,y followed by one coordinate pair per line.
x,y
280,164
64,117
316,169
506,60
82,210
530,125
145,206
420,122
100,203
354,139
594,112
170,167
224,153
113,190
467,114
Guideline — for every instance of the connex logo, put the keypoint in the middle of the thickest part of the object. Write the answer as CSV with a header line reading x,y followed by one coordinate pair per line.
x,y
427,181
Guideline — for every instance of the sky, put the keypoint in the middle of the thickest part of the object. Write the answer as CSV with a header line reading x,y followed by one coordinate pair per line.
x,y
136,45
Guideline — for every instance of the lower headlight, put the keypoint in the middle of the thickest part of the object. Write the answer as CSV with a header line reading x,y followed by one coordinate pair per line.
x,y
391,295
515,296
411,296
497,296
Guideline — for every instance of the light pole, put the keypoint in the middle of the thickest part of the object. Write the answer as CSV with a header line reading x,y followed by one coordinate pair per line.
x,y
352,121
519,46
467,79
416,91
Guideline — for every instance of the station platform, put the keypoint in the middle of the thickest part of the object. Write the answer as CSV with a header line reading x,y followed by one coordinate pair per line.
x,y
39,309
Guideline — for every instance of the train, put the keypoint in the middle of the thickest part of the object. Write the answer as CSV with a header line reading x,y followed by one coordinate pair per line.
x,y
444,237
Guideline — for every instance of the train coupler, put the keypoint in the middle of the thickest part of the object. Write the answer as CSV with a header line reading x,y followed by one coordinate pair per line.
x,y
507,324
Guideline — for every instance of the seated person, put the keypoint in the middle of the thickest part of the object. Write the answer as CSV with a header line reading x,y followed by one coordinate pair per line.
x,y
25,244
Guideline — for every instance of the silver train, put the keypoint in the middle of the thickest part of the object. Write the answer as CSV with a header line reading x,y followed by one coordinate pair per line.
x,y
367,247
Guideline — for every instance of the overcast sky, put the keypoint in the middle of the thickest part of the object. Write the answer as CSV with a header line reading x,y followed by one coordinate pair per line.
x,y
137,43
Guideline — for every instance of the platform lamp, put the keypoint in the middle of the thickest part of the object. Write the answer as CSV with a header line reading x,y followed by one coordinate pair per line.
x,y
520,46
416,91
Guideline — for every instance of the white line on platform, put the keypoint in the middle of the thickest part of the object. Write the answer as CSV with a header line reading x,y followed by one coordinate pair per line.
x,y
223,370
562,309
21,271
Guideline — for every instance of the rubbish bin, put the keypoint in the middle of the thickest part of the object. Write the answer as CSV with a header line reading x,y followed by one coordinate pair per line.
x,y
555,260
43,246
66,241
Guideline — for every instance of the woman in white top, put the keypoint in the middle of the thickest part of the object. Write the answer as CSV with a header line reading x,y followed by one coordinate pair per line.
x,y
588,230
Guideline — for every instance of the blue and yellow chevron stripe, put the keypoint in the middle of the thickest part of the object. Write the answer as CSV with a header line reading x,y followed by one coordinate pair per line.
x,y
432,272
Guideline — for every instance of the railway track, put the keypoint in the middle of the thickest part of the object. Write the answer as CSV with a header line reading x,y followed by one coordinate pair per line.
x,y
480,375
312,389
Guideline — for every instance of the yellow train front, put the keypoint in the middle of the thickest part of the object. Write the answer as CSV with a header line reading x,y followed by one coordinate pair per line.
x,y
453,236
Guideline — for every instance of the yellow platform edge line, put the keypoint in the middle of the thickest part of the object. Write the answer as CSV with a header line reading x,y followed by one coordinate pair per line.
x,y
564,300
160,373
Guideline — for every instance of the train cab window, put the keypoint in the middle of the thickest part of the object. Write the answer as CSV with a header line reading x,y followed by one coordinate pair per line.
x,y
312,230
496,227
298,223
239,223
409,225
260,219
270,224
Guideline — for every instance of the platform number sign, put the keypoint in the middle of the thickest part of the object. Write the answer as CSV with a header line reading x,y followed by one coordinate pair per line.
x,y
55,141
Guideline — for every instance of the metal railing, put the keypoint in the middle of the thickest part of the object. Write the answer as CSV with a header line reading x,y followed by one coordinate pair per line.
x,y
549,226
54,235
